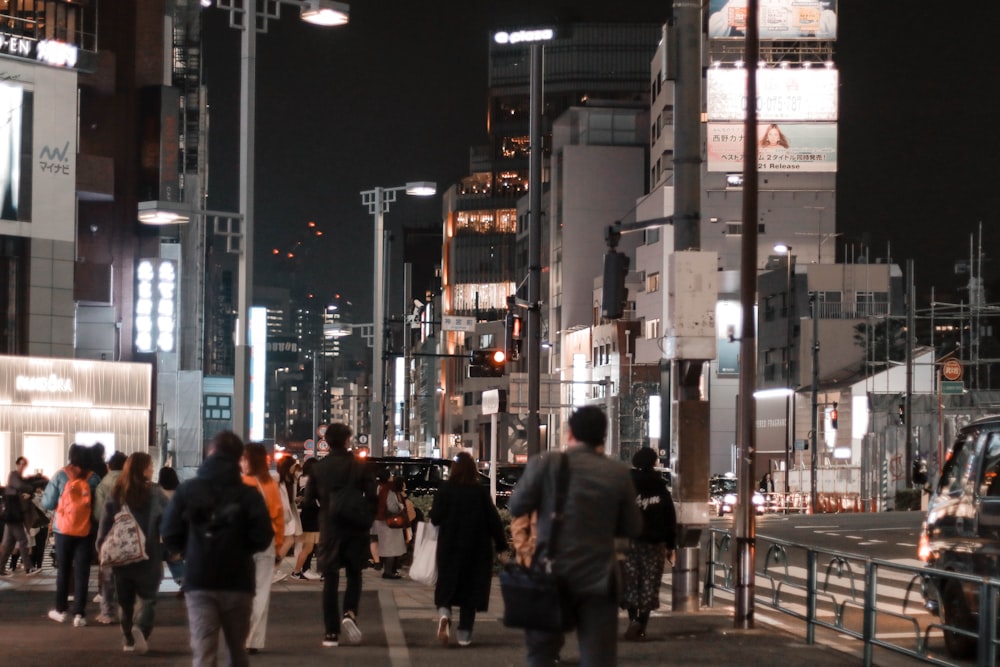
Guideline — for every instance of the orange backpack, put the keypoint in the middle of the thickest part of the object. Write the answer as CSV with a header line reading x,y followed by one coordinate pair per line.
x,y
74,507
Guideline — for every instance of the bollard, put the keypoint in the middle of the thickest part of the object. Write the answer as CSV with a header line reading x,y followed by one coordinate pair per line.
x,y
684,591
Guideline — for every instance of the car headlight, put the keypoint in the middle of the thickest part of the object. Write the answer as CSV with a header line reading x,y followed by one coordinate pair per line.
x,y
758,499
729,499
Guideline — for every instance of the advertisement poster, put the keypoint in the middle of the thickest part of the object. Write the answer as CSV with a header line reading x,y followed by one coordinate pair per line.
x,y
794,94
803,147
779,19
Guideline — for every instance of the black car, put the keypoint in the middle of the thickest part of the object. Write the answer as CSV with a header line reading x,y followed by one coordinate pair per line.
x,y
962,530
423,475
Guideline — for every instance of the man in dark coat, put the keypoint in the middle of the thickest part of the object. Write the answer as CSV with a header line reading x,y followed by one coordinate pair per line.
x,y
470,529
218,523
341,545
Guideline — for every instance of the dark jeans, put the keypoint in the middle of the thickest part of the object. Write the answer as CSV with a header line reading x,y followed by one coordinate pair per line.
x,y
212,611
15,534
596,631
352,555
73,554
140,581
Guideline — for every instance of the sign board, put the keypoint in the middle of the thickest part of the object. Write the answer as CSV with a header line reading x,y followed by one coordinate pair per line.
x,y
310,447
322,449
952,387
458,323
491,401
951,369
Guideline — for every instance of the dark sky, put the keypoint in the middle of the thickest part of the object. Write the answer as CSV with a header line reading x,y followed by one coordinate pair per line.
x,y
400,94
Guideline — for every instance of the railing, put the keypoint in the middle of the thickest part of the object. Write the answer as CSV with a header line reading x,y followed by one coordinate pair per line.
x,y
840,591
839,310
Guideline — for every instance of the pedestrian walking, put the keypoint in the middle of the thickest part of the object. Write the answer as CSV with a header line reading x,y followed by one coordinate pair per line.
x,y
218,523
169,481
469,531
309,516
257,475
337,482
287,474
106,595
70,493
18,494
652,549
136,585
599,507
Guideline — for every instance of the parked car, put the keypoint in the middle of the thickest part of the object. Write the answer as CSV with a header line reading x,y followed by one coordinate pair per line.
x,y
722,495
423,475
962,530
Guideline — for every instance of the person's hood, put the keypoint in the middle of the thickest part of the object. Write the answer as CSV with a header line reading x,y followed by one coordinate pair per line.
x,y
220,469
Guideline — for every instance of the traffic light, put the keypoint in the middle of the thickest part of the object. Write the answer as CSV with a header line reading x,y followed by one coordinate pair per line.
x,y
615,294
833,416
487,363
512,336
901,414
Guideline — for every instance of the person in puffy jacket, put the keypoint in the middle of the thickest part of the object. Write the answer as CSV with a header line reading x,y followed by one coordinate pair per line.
x,y
648,553
218,523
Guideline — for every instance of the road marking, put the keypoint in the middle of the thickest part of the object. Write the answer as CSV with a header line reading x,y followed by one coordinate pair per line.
x,y
906,544
399,654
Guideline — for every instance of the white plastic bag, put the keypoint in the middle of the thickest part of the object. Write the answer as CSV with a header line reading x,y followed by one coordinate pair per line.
x,y
424,567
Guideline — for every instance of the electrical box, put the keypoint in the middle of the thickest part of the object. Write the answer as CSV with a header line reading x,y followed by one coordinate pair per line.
x,y
692,293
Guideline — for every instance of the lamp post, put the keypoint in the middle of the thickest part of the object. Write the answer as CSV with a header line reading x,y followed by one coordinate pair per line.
x,y
246,17
378,200
786,250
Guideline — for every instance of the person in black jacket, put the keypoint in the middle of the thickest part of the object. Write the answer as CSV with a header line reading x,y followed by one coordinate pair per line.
x,y
470,529
218,523
647,554
341,544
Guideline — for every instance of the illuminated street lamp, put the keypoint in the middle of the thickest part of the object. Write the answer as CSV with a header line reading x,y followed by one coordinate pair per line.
x,y
378,200
786,250
246,16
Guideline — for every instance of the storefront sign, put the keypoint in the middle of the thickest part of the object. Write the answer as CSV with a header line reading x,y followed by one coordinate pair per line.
x,y
51,384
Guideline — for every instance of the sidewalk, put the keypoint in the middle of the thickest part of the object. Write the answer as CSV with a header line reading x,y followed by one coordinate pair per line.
x,y
399,623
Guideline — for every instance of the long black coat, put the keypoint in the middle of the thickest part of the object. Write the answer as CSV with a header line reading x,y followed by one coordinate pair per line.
x,y
469,528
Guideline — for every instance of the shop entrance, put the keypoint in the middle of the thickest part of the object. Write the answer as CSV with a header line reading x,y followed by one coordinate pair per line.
x,y
46,452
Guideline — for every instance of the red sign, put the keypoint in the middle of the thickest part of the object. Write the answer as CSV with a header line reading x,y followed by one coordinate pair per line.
x,y
952,369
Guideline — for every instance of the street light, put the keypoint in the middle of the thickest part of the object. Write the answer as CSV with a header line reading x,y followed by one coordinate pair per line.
x,y
378,200
245,16
786,250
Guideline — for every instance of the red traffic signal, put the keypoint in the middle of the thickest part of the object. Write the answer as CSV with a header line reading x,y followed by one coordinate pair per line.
x,y
487,363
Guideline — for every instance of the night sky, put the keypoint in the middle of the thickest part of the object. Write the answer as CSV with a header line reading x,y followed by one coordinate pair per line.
x,y
399,94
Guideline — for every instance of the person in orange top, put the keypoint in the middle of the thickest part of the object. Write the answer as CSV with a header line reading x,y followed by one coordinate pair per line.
x,y
255,473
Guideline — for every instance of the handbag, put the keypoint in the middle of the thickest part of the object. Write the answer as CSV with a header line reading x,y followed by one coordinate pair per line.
x,y
125,543
424,569
533,597
399,520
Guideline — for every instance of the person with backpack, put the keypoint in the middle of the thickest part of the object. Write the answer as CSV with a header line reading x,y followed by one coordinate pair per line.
x,y
134,491
218,523
344,488
70,493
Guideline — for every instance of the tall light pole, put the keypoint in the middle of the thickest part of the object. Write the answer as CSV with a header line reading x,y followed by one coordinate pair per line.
x,y
786,250
378,200
245,16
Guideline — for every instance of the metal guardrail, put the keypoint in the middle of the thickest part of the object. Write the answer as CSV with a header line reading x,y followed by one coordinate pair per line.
x,y
836,582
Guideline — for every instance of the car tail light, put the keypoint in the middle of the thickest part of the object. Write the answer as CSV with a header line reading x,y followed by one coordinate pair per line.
x,y
924,548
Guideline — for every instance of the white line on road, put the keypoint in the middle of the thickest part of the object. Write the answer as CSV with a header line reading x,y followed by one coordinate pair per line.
x,y
399,654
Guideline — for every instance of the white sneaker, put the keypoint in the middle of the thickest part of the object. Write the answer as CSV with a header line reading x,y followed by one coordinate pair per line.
x,y
279,575
309,574
141,645
350,631
98,598
79,621
57,616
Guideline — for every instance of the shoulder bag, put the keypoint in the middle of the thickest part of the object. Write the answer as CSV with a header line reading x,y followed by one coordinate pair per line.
x,y
533,597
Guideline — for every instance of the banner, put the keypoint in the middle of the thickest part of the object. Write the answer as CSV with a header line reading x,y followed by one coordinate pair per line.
x,y
796,94
779,19
803,147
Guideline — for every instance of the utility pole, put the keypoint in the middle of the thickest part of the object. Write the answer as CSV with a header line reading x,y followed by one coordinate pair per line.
x,y
746,529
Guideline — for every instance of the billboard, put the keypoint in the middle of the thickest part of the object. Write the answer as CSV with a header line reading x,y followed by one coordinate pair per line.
x,y
779,19
803,93
799,147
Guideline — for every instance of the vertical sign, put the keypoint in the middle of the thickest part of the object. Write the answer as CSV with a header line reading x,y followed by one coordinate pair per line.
x,y
258,370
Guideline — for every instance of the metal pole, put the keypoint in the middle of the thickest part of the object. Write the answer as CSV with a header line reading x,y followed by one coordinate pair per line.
x,y
911,305
744,511
407,333
534,247
248,75
789,433
493,457
813,426
378,315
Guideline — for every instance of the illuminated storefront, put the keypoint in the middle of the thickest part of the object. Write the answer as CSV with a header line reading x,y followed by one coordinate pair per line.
x,y
48,404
